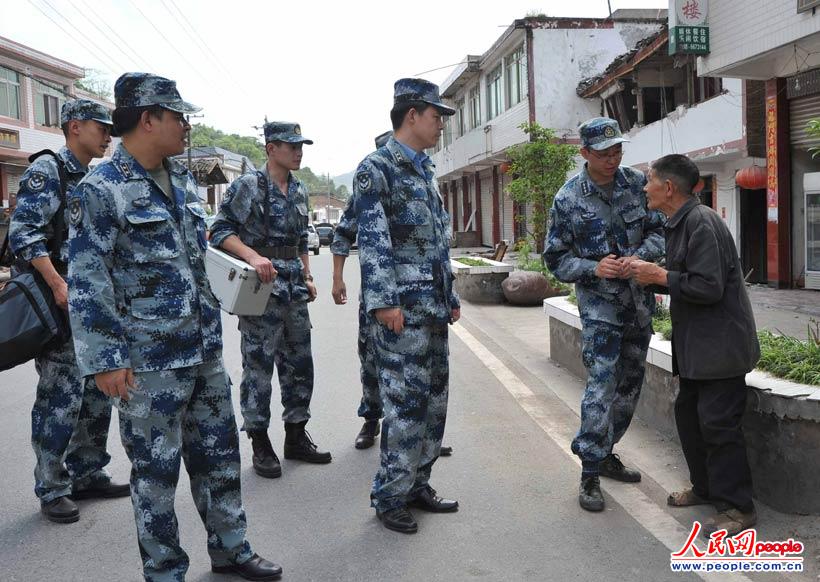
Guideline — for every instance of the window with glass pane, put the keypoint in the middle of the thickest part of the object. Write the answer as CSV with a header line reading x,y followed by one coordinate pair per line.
x,y
812,232
48,101
475,108
494,92
9,93
516,72
459,119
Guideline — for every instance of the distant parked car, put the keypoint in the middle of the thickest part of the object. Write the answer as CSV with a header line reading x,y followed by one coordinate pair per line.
x,y
313,240
325,234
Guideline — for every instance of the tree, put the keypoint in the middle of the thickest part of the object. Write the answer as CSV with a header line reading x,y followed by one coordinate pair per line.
x,y
95,83
244,145
539,169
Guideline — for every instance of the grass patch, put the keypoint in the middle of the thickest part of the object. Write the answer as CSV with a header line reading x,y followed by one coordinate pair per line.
x,y
790,358
473,262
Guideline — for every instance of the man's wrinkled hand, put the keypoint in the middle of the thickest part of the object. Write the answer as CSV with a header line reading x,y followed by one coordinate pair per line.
x,y
455,314
608,268
115,383
263,267
625,262
339,292
312,293
390,317
645,273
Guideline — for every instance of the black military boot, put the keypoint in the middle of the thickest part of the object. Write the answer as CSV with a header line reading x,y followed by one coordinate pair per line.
x,y
367,436
612,467
265,462
60,510
589,494
299,446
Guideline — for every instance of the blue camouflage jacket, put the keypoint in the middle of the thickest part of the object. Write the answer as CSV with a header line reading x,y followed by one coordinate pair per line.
x,y
345,233
242,213
585,227
404,237
38,199
138,293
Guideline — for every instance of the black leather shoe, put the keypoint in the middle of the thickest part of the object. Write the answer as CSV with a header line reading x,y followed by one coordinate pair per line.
x,y
427,500
265,462
60,510
257,568
613,468
398,519
589,494
445,451
108,490
367,436
299,446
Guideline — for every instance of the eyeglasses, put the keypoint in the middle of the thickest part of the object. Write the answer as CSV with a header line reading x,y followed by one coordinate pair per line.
x,y
608,154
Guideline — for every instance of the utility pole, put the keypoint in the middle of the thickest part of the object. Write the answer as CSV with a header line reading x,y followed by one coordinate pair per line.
x,y
609,5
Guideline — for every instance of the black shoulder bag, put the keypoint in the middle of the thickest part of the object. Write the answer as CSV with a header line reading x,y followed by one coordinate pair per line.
x,y
31,322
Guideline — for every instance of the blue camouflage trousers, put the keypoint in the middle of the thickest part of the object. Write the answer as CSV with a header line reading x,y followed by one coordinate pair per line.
x,y
69,426
413,380
370,407
615,358
280,336
185,414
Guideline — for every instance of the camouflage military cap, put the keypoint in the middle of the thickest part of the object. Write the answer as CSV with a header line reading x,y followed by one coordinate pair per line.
x,y
285,131
84,110
600,133
145,89
407,90
382,138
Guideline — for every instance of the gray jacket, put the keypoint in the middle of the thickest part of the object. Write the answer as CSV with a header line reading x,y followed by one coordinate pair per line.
x,y
713,327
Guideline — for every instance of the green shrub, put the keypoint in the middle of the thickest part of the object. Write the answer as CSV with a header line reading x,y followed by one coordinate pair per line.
x,y
536,264
790,358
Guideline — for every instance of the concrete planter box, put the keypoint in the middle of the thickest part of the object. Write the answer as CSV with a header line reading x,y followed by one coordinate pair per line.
x,y
781,424
480,284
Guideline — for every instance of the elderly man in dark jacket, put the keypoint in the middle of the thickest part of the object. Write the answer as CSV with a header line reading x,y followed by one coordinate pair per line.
x,y
714,343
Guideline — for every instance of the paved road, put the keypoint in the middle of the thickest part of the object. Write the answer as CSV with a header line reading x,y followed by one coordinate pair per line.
x,y
519,518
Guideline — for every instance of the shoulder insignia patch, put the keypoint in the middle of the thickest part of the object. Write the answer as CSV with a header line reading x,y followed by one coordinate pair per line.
x,y
125,169
36,181
144,202
75,211
364,181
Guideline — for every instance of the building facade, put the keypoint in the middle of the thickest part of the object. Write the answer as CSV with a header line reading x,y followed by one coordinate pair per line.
x,y
774,46
33,88
528,75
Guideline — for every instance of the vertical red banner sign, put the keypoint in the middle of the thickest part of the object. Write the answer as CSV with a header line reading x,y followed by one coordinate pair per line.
x,y
778,187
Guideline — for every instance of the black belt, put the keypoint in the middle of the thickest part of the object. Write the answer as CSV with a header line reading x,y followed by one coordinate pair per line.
x,y
278,252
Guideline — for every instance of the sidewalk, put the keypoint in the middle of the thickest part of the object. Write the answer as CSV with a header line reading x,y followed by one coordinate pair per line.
x,y
783,311
520,337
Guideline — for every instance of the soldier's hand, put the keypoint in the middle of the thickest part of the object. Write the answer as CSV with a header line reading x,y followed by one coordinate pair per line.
x,y
311,291
263,267
339,292
115,383
455,315
60,290
390,317
608,268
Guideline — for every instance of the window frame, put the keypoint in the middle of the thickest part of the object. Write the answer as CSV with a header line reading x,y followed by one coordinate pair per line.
x,y
495,92
8,83
515,66
43,113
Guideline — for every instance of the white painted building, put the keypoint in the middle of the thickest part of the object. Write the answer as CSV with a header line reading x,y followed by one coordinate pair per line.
x,y
664,107
774,45
528,74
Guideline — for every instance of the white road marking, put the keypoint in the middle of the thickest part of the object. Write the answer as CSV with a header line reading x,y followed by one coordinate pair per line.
x,y
660,524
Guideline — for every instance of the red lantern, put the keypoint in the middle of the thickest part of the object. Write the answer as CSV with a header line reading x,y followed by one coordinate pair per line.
x,y
505,167
752,178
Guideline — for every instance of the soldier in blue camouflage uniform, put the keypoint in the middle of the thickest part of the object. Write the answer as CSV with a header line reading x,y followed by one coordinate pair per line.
x,y
599,223
70,418
263,219
408,295
147,327
370,407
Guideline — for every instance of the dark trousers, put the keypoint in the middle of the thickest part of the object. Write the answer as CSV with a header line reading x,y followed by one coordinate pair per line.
x,y
709,415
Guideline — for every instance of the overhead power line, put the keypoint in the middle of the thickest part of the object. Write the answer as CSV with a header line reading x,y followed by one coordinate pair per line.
x,y
76,38
119,43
